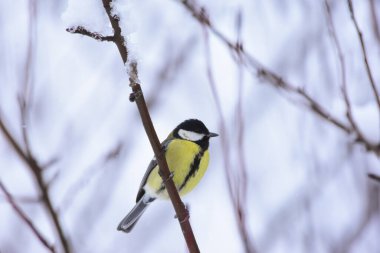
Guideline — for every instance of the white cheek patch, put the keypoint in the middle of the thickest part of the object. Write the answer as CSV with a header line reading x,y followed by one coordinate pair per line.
x,y
189,135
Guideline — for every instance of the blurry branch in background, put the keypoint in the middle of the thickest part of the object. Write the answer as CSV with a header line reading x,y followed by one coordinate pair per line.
x,y
375,25
137,96
36,170
272,78
25,153
23,199
89,174
169,70
374,177
355,128
25,218
364,52
236,179
351,236
164,77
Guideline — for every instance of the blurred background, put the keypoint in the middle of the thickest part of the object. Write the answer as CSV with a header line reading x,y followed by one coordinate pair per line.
x,y
282,176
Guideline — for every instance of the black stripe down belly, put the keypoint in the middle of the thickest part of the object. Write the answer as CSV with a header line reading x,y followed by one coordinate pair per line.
x,y
193,169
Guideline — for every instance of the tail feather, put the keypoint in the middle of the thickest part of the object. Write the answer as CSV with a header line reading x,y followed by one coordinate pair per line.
x,y
133,216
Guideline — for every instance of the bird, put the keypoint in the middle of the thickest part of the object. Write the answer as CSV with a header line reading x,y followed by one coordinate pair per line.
x,y
187,155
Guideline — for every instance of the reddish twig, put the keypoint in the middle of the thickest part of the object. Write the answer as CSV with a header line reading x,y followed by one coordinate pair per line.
x,y
137,96
25,218
364,53
181,211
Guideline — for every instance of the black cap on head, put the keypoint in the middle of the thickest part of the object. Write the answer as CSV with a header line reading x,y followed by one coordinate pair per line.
x,y
193,125
194,130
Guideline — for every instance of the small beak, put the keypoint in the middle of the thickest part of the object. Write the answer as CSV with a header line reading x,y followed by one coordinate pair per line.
x,y
212,135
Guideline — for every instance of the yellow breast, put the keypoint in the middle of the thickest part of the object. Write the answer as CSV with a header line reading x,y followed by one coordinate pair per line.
x,y
180,155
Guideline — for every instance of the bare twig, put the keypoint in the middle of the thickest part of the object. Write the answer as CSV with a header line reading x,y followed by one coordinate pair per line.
x,y
36,170
354,126
236,188
374,177
24,199
119,40
375,25
85,32
26,84
25,218
137,96
243,175
89,174
256,68
364,52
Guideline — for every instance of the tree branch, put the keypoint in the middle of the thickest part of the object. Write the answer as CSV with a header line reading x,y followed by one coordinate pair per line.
x,y
137,96
36,170
374,177
258,69
25,218
364,52
237,186
354,127
119,40
375,25
85,32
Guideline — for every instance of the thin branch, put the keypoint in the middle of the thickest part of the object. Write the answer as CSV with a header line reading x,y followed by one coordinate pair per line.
x,y
375,25
137,96
26,84
256,68
25,218
364,52
119,40
338,48
36,171
85,32
236,188
181,212
374,177
243,175
87,176
24,199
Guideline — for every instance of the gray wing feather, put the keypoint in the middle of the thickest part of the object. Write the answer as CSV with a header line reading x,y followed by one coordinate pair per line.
x,y
151,166
133,216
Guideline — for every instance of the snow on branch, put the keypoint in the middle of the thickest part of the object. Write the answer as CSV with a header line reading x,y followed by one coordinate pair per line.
x,y
138,97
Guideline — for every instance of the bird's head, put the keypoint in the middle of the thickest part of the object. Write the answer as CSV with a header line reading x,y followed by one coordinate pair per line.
x,y
194,130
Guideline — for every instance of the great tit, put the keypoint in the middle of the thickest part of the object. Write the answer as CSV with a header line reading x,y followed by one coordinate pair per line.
x,y
187,155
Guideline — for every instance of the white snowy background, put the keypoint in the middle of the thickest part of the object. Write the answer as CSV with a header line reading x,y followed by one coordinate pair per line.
x,y
307,183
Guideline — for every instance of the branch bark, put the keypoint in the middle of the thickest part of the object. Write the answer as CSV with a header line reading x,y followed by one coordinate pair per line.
x,y
36,170
138,97
236,182
258,69
25,218
364,53
354,126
